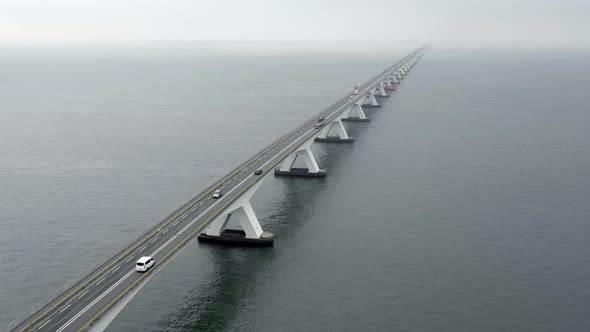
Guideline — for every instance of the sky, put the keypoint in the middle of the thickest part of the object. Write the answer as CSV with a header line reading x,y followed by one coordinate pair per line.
x,y
550,22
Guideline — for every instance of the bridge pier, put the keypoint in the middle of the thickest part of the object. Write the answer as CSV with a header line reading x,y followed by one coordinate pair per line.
x,y
372,99
387,83
357,110
238,224
382,90
304,152
342,134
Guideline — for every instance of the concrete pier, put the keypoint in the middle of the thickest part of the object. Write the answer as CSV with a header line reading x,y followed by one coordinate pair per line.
x,y
366,119
236,237
303,152
301,172
334,139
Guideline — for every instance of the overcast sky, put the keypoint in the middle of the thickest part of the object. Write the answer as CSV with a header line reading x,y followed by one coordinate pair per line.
x,y
537,21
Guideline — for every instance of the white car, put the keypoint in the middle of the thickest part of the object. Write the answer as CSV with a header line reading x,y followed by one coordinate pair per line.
x,y
356,92
217,193
144,264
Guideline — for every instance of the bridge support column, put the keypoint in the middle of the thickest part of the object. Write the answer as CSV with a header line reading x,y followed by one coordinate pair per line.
x,y
238,225
372,99
303,152
387,83
391,85
359,114
382,92
342,134
394,78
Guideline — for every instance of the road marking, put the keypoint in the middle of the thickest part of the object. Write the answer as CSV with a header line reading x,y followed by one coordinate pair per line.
x,y
134,284
142,248
64,309
229,182
81,296
174,224
184,216
162,246
49,320
223,186
94,302
115,270
130,258
193,209
165,231
201,203
101,280
154,240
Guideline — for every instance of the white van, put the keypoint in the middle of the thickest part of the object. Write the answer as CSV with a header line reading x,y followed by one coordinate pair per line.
x,y
144,264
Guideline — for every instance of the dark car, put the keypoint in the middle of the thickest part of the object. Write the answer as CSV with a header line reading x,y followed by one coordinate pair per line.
x,y
258,172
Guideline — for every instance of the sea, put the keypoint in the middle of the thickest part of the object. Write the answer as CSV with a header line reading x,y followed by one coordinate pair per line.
x,y
464,205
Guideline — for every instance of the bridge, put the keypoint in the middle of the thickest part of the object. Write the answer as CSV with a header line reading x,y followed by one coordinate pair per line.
x,y
93,302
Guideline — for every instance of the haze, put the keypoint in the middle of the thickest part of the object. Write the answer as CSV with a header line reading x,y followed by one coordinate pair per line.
x,y
453,21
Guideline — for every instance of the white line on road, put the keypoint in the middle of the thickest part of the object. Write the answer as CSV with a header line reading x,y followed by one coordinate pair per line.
x,y
101,280
165,231
49,320
130,258
154,240
64,309
81,296
162,246
184,216
193,209
201,203
142,248
94,302
115,270
174,224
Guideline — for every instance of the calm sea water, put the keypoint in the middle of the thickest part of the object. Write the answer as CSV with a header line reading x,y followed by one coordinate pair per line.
x,y
463,205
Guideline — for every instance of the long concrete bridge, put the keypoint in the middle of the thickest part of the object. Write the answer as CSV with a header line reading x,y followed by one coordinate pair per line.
x,y
93,302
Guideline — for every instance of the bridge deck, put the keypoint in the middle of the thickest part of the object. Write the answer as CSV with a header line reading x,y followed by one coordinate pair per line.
x,y
85,302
